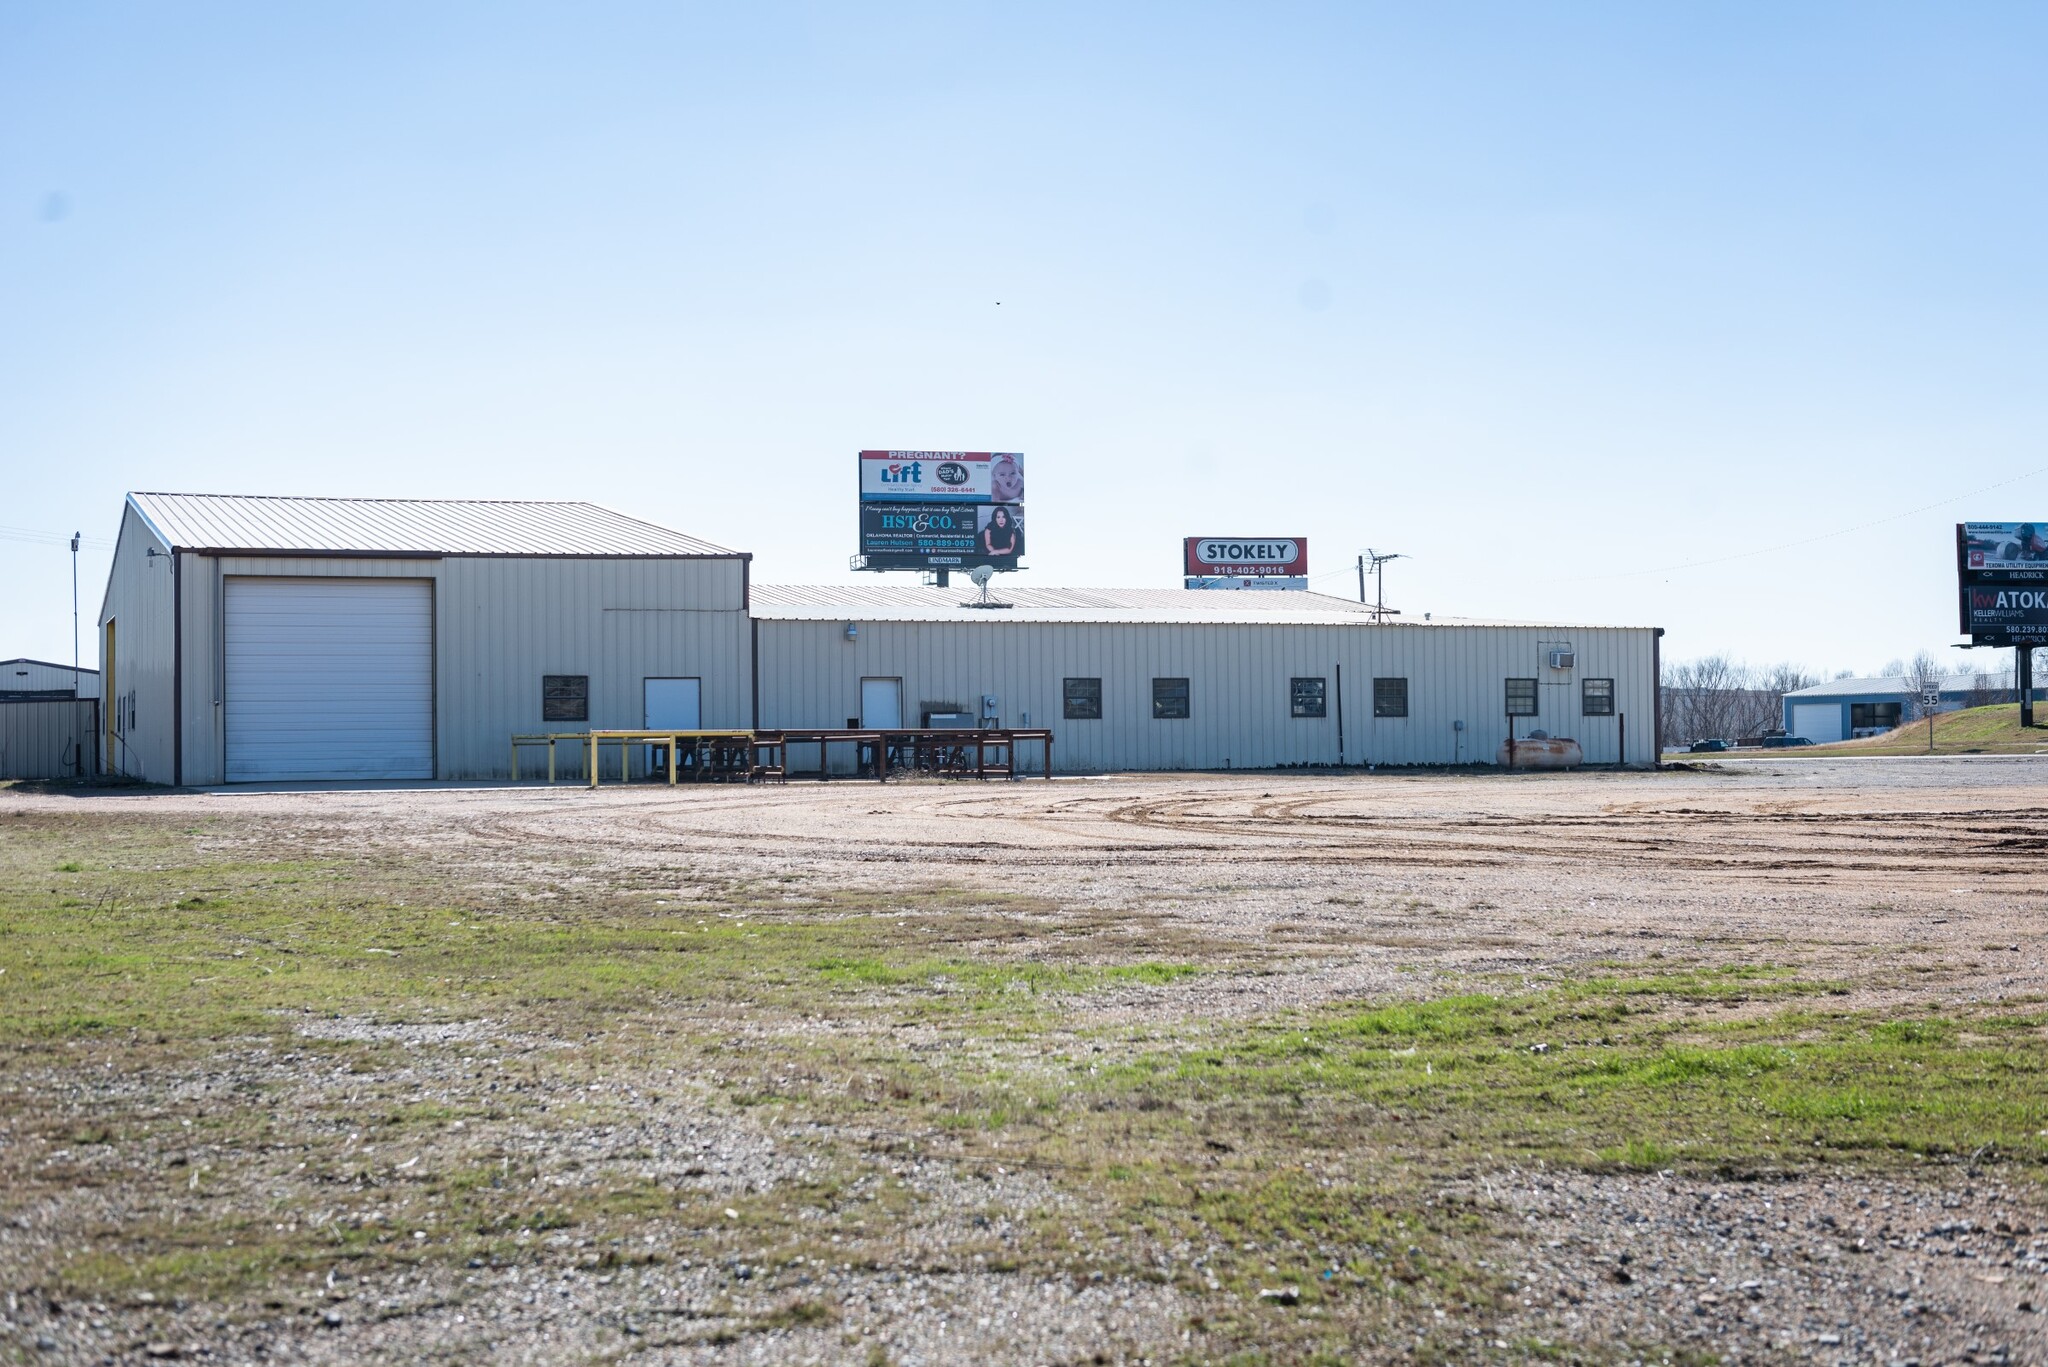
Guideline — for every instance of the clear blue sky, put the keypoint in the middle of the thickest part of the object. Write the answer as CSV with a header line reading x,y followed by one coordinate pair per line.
x,y
1544,296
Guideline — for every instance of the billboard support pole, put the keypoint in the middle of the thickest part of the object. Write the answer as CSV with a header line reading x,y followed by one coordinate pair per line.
x,y
2026,683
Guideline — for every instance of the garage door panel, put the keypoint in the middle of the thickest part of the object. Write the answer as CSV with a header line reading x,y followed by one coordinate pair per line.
x,y
329,679
1819,722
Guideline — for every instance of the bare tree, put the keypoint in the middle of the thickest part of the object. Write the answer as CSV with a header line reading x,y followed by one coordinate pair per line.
x,y
1700,698
1996,685
1715,696
1924,678
1765,699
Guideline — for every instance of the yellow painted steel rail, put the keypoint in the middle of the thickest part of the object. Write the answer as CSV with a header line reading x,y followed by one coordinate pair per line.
x,y
711,754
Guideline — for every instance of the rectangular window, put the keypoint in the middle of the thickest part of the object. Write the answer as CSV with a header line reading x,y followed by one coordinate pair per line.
x,y
1865,716
1596,697
1521,697
1390,697
1169,699
1081,699
565,697
1305,698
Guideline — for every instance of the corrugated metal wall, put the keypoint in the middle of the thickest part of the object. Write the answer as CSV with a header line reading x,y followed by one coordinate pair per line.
x,y
1239,685
138,601
54,738
500,624
40,677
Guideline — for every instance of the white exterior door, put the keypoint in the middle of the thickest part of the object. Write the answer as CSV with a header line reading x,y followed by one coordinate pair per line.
x,y
329,679
881,704
672,704
1819,722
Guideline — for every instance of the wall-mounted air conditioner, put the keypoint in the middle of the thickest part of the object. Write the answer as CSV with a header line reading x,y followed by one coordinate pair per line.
x,y
1563,659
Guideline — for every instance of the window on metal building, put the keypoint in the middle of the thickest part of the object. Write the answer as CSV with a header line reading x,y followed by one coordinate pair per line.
x,y
1521,697
565,697
1306,698
1390,697
1596,698
1082,699
1169,699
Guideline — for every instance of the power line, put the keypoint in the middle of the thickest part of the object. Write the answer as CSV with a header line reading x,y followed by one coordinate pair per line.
x,y
1789,545
43,538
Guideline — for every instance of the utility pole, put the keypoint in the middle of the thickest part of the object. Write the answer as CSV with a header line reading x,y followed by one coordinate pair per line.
x,y
74,614
1380,610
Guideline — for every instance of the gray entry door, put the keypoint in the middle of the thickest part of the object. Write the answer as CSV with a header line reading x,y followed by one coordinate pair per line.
x,y
881,704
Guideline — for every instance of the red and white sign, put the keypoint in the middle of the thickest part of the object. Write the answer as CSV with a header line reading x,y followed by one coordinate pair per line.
x,y
1247,556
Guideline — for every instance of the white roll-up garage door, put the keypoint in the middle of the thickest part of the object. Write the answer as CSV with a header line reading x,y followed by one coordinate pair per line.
x,y
1820,722
329,679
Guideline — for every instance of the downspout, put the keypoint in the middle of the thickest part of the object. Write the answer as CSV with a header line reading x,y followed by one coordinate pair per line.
x,y
754,631
177,669
1657,693
1340,716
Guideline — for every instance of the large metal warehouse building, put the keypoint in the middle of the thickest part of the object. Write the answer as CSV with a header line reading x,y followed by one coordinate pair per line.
x,y
256,639
249,639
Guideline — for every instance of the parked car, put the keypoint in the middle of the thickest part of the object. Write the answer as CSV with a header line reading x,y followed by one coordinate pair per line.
x,y
1710,747
1785,742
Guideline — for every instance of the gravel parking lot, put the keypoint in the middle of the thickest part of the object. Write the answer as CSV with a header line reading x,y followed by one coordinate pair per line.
x,y
1729,1062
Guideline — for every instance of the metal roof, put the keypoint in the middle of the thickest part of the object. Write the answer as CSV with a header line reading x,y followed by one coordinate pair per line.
x,y
48,664
1168,607
1883,687
406,526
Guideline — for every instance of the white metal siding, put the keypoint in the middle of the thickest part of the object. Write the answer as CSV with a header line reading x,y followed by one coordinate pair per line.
x,y
500,624
1239,678
42,676
139,600
329,679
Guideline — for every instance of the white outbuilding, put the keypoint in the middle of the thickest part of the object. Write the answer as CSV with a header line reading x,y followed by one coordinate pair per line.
x,y
254,639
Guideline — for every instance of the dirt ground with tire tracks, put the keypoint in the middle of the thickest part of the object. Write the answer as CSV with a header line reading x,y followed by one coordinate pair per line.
x,y
808,1166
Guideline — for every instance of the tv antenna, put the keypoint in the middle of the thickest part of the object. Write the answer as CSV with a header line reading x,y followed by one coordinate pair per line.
x,y
1380,610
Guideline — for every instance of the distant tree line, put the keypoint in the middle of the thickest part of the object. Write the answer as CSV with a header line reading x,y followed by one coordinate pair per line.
x,y
1717,696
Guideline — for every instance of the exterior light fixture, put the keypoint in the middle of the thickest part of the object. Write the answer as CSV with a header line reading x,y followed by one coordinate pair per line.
x,y
853,631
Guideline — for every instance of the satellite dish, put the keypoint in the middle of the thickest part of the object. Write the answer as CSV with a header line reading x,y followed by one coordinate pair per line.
x,y
981,574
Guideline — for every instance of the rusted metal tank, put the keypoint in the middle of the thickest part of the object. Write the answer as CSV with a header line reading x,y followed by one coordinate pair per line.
x,y
1540,752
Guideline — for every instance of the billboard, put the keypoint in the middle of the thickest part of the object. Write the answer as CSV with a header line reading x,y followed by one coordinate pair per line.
x,y
2003,548
941,536
1245,557
941,477
1995,562
2006,614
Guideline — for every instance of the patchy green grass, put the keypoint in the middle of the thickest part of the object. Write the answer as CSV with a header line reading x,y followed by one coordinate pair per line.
x,y
180,969
1621,1073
